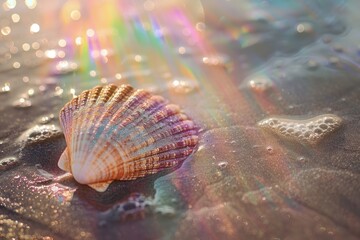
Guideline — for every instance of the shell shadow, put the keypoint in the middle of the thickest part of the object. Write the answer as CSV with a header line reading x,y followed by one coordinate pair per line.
x,y
118,191
46,153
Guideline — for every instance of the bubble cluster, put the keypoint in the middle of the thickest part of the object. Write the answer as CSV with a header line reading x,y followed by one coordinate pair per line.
x,y
58,91
183,86
216,60
65,67
22,103
5,88
133,208
41,133
308,131
54,53
7,163
46,119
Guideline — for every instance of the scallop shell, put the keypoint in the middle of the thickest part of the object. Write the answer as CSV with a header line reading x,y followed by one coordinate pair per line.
x,y
122,133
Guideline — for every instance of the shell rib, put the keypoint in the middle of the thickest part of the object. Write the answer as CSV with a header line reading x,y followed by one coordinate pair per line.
x,y
120,133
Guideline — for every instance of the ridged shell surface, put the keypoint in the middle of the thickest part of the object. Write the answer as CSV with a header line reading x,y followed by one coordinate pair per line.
x,y
122,133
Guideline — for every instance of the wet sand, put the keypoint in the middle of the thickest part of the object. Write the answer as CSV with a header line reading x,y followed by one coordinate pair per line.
x,y
228,71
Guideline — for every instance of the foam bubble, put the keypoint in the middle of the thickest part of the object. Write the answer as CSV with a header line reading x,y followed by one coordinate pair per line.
x,y
223,164
270,149
260,84
304,28
307,131
7,163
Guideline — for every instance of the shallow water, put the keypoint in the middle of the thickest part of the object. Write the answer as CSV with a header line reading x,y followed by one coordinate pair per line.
x,y
231,66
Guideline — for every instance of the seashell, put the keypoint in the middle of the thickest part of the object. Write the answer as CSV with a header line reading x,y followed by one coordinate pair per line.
x,y
122,133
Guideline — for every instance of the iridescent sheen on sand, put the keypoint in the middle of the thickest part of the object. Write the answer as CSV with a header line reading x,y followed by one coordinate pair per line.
x,y
122,133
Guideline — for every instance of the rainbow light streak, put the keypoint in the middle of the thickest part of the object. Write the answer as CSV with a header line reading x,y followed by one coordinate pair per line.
x,y
126,34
